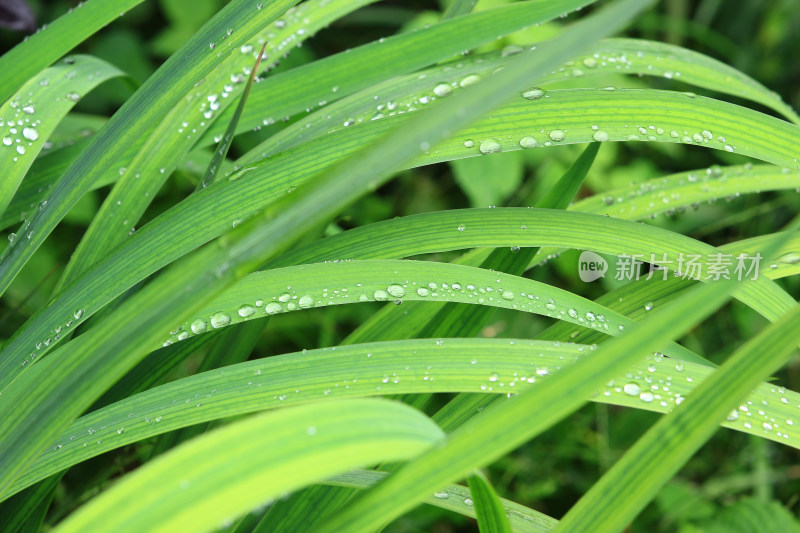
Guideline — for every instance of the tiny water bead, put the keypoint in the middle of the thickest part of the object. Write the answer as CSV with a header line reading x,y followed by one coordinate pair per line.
x,y
273,308
398,291
472,79
533,94
632,389
528,142
30,133
198,326
558,135
490,146
442,90
380,295
601,136
246,311
305,301
220,319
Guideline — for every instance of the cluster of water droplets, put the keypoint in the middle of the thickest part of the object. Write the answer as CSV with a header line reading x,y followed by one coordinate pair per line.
x,y
498,294
53,336
661,383
19,127
674,194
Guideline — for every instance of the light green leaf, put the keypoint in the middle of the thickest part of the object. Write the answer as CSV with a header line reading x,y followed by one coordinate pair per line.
x,y
196,488
42,48
138,116
453,498
488,508
656,384
29,117
670,443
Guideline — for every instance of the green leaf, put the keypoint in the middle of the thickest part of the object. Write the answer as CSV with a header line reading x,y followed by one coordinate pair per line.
x,y
488,181
184,287
138,116
491,515
196,488
395,367
417,91
750,514
334,77
454,498
264,294
33,113
668,445
458,8
498,429
189,224
224,145
42,48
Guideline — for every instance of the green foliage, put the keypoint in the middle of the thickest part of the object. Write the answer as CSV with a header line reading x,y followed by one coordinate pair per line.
x,y
183,236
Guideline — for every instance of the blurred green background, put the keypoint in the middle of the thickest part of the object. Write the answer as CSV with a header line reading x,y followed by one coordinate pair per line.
x,y
759,37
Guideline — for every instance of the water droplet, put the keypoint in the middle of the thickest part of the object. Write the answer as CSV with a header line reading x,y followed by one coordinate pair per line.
x,y
398,291
461,227
469,143
219,320
246,311
273,308
590,62
601,136
558,135
20,149
646,397
442,90
490,146
648,306
73,97
472,79
493,376
442,495
380,295
507,295
198,326
422,291
8,141
306,301
534,93
30,133
632,389
528,142
78,314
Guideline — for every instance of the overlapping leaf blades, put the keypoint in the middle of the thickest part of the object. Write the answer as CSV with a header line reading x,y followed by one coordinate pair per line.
x,y
211,289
